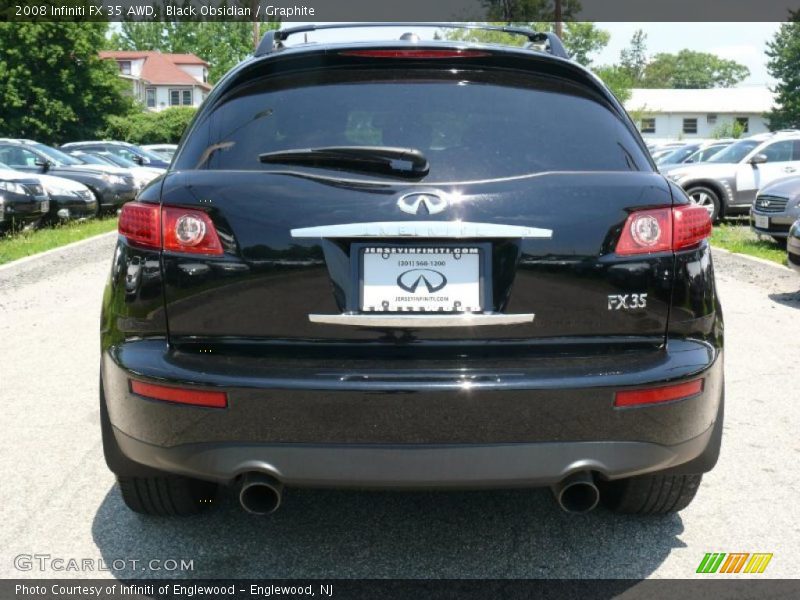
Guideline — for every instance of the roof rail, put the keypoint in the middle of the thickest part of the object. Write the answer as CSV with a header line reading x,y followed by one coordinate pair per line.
x,y
273,40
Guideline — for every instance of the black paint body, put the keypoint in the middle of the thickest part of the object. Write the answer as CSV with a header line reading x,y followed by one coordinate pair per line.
x,y
239,322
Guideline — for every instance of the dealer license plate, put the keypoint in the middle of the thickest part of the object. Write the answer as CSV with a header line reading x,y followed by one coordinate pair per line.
x,y
762,222
421,279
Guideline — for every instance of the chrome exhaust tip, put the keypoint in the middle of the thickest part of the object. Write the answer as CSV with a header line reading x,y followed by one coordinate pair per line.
x,y
577,493
260,494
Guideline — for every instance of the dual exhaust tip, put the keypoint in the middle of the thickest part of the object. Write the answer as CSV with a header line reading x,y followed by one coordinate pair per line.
x,y
261,494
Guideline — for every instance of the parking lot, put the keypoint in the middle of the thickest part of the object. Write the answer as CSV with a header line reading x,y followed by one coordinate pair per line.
x,y
59,499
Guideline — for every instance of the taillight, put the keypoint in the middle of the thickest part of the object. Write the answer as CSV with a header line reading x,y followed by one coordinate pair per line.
x,y
664,229
169,228
191,231
665,393
415,53
646,231
692,224
180,395
141,224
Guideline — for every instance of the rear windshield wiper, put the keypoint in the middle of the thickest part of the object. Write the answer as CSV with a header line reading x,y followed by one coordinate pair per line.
x,y
390,160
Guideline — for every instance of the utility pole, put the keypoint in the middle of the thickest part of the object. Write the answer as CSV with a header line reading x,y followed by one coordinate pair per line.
x,y
559,24
256,36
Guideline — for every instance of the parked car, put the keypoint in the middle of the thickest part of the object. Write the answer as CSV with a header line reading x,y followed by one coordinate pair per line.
x,y
23,201
726,184
132,152
793,246
142,175
352,290
112,189
691,153
707,150
68,199
659,154
776,208
677,155
165,150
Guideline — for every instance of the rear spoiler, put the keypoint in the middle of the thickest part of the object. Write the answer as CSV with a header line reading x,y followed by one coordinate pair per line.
x,y
550,42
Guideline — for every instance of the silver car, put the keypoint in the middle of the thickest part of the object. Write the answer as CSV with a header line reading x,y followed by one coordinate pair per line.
x,y
776,207
726,184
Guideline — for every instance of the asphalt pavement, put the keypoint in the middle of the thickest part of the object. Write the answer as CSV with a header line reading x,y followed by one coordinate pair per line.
x,y
58,498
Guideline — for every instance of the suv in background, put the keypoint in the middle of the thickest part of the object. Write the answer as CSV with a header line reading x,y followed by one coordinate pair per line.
x,y
776,208
112,189
131,152
726,184
371,264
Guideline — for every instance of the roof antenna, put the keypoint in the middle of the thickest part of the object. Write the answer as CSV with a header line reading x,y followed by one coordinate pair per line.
x,y
409,37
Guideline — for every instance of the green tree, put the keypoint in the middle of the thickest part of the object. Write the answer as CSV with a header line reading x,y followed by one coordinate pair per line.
x,y
515,11
222,44
53,85
729,129
580,39
618,79
783,54
690,69
163,127
633,59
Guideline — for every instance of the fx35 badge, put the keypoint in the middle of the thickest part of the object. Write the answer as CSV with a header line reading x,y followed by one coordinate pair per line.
x,y
626,301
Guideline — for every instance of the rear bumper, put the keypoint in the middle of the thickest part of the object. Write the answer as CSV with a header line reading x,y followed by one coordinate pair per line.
x,y
412,429
414,466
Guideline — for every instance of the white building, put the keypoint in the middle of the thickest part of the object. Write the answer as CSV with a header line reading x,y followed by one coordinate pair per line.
x,y
160,81
669,114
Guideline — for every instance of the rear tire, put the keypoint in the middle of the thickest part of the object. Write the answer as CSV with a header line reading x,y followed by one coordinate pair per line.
x,y
149,491
167,496
650,494
707,198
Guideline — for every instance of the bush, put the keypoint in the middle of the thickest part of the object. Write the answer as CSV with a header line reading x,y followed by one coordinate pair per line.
x,y
732,129
165,127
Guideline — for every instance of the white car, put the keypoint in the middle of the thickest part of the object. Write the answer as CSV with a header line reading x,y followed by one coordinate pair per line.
x,y
728,181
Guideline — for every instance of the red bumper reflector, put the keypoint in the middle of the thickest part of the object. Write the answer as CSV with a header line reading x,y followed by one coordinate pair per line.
x,y
180,395
665,393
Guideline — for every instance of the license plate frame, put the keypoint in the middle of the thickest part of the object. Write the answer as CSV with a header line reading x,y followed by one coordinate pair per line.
x,y
761,221
359,250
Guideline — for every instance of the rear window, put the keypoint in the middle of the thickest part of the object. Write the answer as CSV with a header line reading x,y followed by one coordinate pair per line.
x,y
468,125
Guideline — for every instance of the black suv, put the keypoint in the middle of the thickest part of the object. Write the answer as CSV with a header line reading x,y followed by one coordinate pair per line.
x,y
112,187
411,264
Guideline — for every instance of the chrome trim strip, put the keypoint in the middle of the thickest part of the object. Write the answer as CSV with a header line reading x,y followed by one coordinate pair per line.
x,y
422,229
413,320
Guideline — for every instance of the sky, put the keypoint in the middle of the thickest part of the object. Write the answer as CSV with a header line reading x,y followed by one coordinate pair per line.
x,y
742,42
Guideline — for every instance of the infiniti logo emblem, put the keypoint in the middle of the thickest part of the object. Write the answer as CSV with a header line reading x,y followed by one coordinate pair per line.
x,y
422,203
410,280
